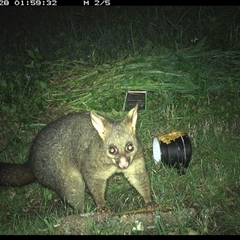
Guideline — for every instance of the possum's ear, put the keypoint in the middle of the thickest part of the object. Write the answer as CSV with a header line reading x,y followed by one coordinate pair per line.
x,y
99,123
131,119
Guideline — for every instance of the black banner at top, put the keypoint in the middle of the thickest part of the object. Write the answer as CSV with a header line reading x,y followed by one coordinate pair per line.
x,y
99,3
95,3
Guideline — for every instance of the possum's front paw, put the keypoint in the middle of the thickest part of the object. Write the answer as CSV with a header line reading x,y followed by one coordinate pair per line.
x,y
152,206
102,209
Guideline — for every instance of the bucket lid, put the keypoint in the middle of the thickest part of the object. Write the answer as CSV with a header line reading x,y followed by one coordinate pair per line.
x,y
156,150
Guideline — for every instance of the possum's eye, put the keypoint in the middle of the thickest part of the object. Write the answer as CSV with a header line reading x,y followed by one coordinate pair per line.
x,y
129,147
113,150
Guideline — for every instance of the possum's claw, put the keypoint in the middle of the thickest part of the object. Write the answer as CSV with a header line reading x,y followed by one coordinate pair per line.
x,y
102,209
152,206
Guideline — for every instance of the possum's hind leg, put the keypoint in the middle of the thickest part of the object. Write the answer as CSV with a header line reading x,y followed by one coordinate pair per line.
x,y
72,189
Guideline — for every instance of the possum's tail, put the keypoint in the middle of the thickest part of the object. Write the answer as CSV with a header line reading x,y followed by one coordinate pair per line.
x,y
16,175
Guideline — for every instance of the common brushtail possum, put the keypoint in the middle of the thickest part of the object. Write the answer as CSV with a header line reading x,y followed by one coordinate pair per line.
x,y
83,148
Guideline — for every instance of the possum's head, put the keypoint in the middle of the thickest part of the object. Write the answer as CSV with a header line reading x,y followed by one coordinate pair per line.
x,y
119,137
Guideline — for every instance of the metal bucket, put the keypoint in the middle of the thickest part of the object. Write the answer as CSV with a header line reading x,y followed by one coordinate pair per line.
x,y
173,149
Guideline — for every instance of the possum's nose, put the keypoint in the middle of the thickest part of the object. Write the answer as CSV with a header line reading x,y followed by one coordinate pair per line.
x,y
123,163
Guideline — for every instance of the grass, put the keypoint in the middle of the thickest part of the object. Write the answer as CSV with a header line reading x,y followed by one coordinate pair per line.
x,y
192,87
